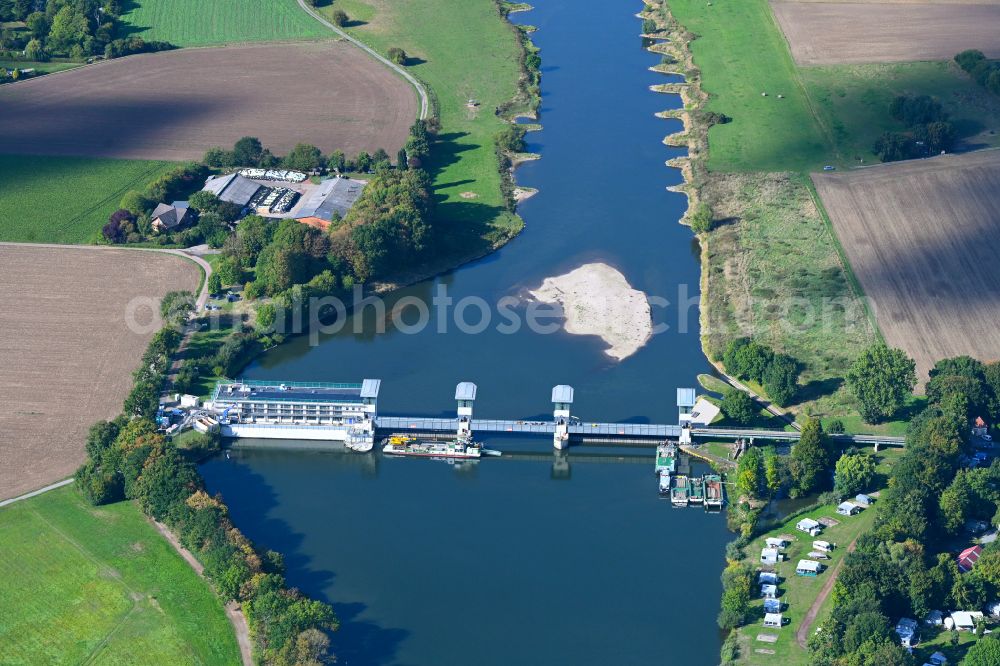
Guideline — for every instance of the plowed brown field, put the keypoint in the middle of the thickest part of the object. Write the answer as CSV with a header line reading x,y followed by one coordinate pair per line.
x,y
923,238
66,352
831,33
177,104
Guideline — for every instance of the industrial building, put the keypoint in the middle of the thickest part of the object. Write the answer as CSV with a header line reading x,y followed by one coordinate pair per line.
x,y
333,197
296,410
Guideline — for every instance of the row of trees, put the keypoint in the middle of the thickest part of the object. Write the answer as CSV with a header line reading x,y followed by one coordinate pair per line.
x,y
128,459
70,28
985,72
249,152
928,133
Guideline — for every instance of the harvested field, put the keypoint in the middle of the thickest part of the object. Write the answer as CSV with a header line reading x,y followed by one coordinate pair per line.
x,y
852,32
66,353
922,238
177,104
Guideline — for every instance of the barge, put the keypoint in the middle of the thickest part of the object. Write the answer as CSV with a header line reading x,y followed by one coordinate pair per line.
x,y
713,491
697,494
680,491
455,448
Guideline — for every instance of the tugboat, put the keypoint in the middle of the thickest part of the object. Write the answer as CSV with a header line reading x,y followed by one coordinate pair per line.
x,y
679,493
460,447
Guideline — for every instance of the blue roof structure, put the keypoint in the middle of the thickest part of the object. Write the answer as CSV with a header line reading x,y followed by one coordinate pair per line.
x,y
370,388
686,397
563,394
465,391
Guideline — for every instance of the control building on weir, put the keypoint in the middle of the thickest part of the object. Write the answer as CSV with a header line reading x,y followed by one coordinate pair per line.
x,y
296,410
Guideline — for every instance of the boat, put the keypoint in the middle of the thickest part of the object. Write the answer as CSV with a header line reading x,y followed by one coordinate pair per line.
x,y
459,447
666,458
680,491
713,491
664,484
697,495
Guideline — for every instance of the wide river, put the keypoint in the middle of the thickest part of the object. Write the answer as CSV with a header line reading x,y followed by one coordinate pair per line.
x,y
530,559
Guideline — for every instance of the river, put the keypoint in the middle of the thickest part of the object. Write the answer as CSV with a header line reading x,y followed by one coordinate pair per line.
x,y
520,560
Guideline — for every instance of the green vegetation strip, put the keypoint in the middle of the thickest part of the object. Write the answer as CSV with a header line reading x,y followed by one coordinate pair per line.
x,y
66,199
462,51
201,23
86,584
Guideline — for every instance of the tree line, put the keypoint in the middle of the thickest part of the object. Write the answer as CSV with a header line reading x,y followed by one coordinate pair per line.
x,y
983,71
75,29
129,459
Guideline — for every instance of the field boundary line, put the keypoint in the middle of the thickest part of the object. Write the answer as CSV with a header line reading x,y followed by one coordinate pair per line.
x,y
36,493
421,91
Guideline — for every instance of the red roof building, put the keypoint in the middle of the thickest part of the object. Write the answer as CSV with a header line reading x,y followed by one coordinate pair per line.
x,y
968,558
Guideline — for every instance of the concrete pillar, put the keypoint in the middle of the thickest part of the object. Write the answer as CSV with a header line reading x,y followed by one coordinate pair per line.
x,y
465,396
562,401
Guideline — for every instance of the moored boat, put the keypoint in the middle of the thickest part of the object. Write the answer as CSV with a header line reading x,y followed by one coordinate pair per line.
x,y
697,494
664,484
680,491
666,458
713,491
460,447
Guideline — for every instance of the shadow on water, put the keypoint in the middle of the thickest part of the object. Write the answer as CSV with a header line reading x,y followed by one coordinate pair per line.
x,y
357,641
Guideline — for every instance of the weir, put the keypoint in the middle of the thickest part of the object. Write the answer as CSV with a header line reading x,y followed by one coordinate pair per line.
x,y
348,413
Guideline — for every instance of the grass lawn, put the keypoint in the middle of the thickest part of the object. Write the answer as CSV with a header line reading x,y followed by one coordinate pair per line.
x,y
797,592
100,585
39,67
203,23
742,53
461,51
80,194
853,101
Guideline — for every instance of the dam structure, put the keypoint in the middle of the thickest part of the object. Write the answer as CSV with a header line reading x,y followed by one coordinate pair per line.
x,y
348,413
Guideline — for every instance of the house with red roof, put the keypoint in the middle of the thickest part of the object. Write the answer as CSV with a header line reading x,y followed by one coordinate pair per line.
x,y
968,558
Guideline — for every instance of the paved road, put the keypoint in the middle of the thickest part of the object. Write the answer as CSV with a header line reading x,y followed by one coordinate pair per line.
x,y
769,406
421,91
207,267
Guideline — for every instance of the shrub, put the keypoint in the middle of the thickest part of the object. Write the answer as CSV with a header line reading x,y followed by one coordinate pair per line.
x,y
738,406
701,220
397,55
340,18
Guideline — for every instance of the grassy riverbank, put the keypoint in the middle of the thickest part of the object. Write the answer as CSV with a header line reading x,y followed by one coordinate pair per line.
x,y
772,266
461,51
90,584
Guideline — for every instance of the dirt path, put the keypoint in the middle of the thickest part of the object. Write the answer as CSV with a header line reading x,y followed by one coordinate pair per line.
x,y
770,407
233,611
802,634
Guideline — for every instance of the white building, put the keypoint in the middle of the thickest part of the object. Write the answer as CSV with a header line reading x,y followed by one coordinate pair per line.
x,y
809,526
906,629
848,508
769,556
297,410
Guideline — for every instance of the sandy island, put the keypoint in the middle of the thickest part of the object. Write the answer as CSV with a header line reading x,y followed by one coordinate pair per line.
x,y
598,300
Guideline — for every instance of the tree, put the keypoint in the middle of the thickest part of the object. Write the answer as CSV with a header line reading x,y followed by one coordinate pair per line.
x,y
380,157
214,283
881,379
781,379
750,473
304,157
701,220
809,460
340,18
38,25
853,474
968,60
69,29
135,202
956,501
985,652
36,51
738,406
363,162
247,151
266,316
397,55
401,160
119,226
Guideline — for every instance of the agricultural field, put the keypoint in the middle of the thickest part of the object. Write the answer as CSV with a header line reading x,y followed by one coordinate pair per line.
x,y
838,33
100,585
853,102
79,194
461,51
330,94
67,351
921,239
798,593
200,23
806,308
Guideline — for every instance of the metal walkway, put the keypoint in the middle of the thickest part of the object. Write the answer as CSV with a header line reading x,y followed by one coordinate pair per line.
x,y
585,430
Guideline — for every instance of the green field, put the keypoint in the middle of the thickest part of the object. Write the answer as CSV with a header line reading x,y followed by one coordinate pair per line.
x,y
65,199
797,592
741,54
461,51
100,585
207,22
853,101
39,67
